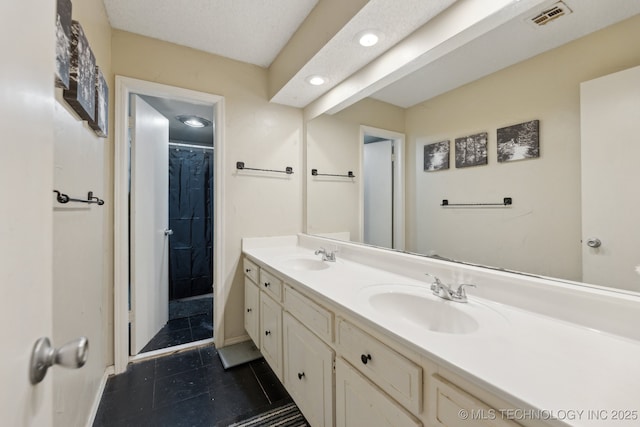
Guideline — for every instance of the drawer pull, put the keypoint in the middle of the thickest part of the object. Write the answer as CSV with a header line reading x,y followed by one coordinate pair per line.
x,y
267,284
365,358
267,332
301,375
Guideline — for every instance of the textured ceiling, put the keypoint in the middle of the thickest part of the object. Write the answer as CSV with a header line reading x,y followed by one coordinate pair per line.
x,y
246,30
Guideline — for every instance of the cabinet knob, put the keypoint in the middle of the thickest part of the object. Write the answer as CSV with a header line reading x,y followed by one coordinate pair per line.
x,y
267,284
300,375
247,270
365,358
249,310
267,332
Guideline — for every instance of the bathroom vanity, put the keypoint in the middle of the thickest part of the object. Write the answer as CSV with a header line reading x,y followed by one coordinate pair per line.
x,y
363,340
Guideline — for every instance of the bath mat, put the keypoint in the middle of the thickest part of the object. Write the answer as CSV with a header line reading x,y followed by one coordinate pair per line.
x,y
237,354
285,416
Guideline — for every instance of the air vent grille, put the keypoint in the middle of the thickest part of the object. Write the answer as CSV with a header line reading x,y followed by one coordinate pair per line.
x,y
556,11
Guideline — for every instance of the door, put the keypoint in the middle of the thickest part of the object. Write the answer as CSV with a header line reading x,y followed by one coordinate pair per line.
x,y
26,184
378,193
149,221
609,109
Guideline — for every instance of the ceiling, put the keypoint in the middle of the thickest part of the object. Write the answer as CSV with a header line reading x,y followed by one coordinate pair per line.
x,y
427,47
178,131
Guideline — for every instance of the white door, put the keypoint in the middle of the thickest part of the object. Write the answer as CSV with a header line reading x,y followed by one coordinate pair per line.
x,y
149,223
26,184
610,128
378,193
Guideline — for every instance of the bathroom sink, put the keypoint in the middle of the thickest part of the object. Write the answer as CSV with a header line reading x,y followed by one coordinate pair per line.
x,y
417,306
305,264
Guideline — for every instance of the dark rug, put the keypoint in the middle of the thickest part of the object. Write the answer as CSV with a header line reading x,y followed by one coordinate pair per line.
x,y
285,416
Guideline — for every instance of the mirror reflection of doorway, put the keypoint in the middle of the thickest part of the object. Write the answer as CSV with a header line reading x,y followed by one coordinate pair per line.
x,y
177,309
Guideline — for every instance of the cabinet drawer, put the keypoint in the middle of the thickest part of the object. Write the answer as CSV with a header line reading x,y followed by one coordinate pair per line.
x,y
449,402
251,270
318,319
271,284
396,375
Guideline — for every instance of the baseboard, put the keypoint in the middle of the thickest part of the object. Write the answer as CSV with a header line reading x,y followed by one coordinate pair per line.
x,y
109,370
235,340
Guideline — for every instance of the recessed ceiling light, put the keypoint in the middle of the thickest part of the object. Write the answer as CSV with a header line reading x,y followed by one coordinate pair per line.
x,y
193,121
316,80
368,38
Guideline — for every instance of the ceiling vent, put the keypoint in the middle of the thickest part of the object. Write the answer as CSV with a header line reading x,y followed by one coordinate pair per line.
x,y
554,12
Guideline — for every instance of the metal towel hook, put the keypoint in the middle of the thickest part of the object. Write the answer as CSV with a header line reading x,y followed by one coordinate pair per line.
x,y
73,354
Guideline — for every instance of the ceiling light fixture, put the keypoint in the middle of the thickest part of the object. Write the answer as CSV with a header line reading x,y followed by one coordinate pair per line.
x,y
316,80
193,121
368,38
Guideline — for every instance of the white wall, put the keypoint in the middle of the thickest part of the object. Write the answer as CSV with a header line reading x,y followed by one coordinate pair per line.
x,y
82,236
540,233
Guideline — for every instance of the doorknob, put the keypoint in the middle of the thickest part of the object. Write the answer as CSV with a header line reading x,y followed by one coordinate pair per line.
x,y
73,354
593,242
168,232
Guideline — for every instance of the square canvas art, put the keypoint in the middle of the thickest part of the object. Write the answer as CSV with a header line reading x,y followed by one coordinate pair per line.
x,y
517,142
436,156
100,123
82,75
63,43
471,150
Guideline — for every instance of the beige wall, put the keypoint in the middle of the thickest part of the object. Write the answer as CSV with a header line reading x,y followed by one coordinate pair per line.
x,y
334,147
261,134
82,237
544,222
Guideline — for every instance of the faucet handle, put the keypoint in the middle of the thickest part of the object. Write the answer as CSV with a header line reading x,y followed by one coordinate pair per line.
x,y
460,293
320,251
436,279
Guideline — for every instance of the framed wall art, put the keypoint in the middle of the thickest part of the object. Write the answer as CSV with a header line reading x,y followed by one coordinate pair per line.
x,y
100,123
81,95
471,150
518,142
63,43
436,156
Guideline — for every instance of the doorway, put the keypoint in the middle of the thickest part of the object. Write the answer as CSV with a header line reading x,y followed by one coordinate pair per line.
x,y
177,207
382,201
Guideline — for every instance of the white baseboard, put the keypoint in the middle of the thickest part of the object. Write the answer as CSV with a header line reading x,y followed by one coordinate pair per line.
x,y
109,370
236,340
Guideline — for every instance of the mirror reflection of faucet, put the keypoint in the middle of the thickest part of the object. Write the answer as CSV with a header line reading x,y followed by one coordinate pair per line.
x,y
446,292
327,255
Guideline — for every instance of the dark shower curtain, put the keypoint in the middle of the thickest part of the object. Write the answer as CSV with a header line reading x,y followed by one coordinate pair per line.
x,y
191,219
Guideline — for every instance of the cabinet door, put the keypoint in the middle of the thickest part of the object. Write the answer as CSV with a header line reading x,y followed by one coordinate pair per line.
x,y
251,310
271,333
360,403
308,372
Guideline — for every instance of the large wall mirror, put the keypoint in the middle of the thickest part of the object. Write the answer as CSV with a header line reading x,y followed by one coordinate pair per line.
x,y
541,232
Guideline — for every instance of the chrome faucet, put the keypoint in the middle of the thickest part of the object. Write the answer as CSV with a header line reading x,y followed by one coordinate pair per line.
x,y
446,292
327,255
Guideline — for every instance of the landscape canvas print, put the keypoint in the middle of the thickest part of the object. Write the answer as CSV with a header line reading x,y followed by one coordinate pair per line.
x,y
100,123
82,76
63,43
517,142
436,156
471,150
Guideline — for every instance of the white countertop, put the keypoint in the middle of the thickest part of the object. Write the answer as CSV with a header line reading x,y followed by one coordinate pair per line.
x,y
530,360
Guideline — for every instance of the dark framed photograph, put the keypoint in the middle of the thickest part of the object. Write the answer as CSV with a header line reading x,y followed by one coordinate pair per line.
x,y
518,142
63,43
100,124
471,150
436,156
81,95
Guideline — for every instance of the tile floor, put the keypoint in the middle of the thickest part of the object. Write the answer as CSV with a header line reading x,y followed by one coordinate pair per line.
x,y
189,388
190,320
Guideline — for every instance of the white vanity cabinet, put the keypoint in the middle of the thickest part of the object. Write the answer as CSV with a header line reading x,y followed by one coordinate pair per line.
x,y
271,333
308,372
252,310
359,402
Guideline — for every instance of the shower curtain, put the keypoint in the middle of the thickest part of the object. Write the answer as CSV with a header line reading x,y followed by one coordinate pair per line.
x,y
191,219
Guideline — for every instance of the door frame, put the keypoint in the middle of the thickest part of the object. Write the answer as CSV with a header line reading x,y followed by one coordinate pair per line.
x,y
398,181
125,86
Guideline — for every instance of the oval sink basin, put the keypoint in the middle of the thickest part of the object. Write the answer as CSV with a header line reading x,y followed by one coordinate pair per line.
x,y
417,306
305,264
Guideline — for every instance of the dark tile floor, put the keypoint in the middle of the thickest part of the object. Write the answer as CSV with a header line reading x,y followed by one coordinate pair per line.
x,y
190,320
189,388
